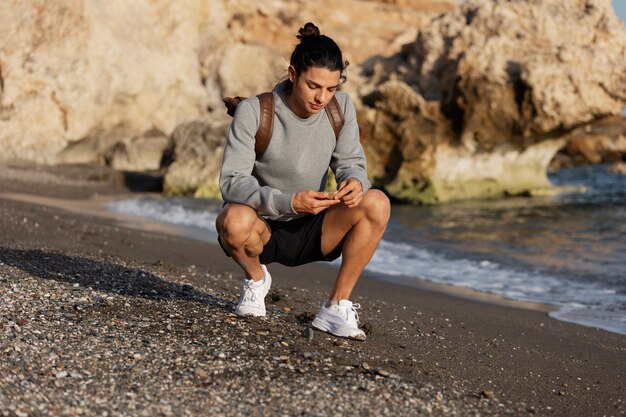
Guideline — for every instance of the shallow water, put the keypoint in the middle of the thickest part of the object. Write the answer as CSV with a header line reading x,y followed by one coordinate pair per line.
x,y
568,250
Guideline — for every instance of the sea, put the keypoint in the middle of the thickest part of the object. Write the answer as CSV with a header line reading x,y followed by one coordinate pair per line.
x,y
567,251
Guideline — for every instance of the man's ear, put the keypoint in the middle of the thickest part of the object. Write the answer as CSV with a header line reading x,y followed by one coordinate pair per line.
x,y
292,74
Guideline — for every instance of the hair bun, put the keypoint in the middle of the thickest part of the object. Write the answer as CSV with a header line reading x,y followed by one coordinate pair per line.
x,y
309,30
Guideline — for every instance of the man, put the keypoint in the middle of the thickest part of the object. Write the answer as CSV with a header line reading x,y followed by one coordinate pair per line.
x,y
276,209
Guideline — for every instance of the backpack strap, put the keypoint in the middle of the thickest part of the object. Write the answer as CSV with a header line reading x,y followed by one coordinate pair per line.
x,y
266,124
335,115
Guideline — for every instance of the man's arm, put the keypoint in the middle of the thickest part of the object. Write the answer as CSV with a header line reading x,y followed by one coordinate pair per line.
x,y
348,160
236,181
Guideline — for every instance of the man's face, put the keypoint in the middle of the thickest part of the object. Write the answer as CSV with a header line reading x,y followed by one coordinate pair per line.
x,y
312,90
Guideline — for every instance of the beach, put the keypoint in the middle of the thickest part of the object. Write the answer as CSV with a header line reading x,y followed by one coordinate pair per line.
x,y
99,317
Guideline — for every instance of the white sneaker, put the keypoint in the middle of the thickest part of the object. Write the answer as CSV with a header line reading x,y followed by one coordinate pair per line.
x,y
340,319
252,300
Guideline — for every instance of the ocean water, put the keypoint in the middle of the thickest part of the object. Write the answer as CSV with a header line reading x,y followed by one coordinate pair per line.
x,y
568,250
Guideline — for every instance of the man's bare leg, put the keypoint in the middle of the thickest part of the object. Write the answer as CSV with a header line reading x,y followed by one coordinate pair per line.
x,y
244,234
360,228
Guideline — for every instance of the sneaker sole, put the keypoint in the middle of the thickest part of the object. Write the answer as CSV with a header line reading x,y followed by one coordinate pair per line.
x,y
250,313
323,325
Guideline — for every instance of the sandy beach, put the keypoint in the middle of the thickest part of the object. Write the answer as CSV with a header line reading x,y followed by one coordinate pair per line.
x,y
99,318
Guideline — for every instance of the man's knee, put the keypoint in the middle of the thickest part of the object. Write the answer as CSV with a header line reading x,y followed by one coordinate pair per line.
x,y
235,224
376,207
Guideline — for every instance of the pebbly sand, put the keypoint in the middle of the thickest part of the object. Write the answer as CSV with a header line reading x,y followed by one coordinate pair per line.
x,y
97,318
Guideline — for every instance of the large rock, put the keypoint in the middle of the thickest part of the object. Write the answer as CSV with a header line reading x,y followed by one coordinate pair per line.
x,y
261,37
144,153
82,80
69,68
237,69
362,28
194,158
478,105
604,141
618,168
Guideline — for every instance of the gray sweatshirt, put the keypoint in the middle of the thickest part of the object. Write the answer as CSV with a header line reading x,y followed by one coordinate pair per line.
x,y
297,158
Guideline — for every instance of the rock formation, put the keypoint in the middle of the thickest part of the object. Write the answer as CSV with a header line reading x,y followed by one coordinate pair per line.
x,y
74,67
473,105
194,158
618,168
264,36
593,143
95,81
479,103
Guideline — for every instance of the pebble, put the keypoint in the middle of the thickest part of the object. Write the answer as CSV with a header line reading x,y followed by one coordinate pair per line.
x,y
201,373
487,394
309,334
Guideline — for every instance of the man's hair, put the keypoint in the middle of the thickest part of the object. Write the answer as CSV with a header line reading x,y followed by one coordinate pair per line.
x,y
315,50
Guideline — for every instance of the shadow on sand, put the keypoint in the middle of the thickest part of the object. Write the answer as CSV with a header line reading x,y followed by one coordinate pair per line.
x,y
104,276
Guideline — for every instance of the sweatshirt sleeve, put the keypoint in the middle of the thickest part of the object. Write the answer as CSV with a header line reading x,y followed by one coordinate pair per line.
x,y
348,160
237,183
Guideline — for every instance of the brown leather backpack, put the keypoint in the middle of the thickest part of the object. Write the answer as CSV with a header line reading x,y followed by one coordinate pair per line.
x,y
264,132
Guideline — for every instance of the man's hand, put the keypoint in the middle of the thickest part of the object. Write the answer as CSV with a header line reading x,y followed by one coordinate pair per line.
x,y
312,202
350,192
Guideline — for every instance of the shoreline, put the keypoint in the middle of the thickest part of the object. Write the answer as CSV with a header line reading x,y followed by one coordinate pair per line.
x,y
427,353
96,206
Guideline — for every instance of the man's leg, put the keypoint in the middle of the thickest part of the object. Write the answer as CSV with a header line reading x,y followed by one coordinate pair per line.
x,y
360,229
244,234
357,230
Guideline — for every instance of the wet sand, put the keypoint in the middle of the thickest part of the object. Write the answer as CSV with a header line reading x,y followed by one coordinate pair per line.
x,y
448,353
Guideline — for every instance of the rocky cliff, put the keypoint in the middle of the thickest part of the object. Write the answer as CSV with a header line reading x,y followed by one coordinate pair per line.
x,y
110,81
105,70
473,103
482,100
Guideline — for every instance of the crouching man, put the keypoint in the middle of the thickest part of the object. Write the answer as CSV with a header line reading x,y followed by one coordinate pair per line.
x,y
276,209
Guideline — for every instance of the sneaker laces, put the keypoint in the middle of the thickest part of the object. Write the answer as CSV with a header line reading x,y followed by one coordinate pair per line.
x,y
249,293
353,310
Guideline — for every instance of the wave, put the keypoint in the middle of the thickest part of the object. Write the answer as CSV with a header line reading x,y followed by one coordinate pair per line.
x,y
586,303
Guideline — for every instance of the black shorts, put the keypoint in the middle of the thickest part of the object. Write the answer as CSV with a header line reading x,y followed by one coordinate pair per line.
x,y
295,242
